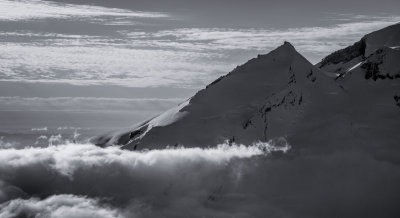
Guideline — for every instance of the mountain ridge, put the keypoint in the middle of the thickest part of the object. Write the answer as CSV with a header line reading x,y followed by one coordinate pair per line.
x,y
340,61
279,94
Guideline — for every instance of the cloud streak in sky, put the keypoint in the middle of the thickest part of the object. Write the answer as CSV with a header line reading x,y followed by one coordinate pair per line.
x,y
86,104
106,63
308,40
16,10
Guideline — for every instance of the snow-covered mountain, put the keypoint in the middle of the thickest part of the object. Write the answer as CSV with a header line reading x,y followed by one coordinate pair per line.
x,y
352,96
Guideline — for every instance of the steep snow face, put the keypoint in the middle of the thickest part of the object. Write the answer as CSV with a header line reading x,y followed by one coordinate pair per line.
x,y
343,60
257,101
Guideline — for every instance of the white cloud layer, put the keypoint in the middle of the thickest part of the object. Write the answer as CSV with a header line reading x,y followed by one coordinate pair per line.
x,y
67,159
132,181
225,181
105,64
14,10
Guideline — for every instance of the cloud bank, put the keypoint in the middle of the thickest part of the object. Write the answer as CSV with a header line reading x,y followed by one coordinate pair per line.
x,y
60,206
67,159
122,183
226,181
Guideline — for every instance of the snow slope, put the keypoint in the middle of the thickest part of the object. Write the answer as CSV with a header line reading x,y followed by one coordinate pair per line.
x,y
256,101
281,94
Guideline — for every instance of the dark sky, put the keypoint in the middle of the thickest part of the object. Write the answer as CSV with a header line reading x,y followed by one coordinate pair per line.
x,y
256,13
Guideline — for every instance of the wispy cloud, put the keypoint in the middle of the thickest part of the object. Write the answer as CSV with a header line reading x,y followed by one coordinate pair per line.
x,y
86,104
180,57
44,129
111,64
308,40
15,10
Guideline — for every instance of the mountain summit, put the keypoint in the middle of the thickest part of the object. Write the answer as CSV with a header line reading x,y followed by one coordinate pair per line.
x,y
234,107
281,94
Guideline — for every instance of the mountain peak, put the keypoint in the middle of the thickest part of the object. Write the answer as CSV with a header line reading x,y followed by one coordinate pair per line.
x,y
277,94
286,43
284,53
236,104
286,46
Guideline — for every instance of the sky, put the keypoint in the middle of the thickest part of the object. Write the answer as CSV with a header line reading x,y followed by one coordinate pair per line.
x,y
143,57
